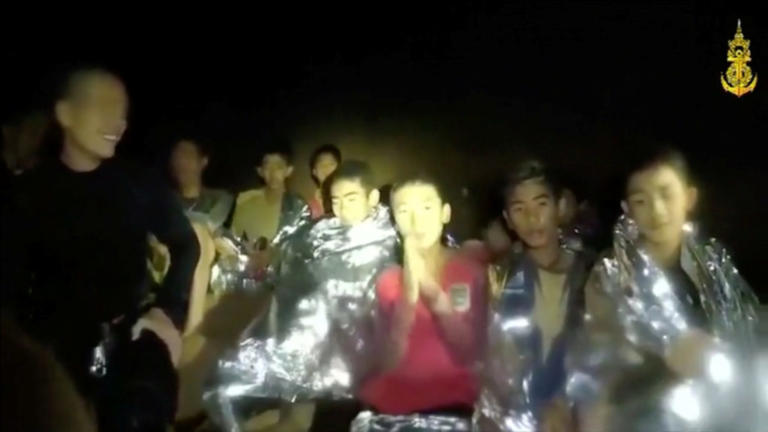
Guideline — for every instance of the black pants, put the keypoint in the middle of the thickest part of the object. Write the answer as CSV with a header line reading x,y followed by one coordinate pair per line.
x,y
140,389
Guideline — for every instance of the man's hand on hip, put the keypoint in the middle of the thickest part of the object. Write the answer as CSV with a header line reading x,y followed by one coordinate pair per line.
x,y
156,321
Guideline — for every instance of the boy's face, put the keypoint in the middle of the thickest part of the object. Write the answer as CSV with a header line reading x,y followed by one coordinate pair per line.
x,y
275,170
659,200
325,165
95,116
532,213
420,214
351,202
187,163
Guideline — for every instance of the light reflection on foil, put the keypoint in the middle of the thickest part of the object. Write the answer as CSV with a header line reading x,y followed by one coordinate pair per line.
x,y
370,422
684,402
720,368
515,382
229,271
652,320
324,285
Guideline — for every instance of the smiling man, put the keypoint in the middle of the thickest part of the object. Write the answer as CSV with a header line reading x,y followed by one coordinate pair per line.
x,y
74,259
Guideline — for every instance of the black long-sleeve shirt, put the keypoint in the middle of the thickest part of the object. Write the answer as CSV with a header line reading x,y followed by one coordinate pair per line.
x,y
74,250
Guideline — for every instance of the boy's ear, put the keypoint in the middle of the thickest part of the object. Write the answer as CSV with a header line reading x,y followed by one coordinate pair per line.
x,y
260,171
374,197
289,171
63,113
692,197
205,162
561,209
625,207
506,219
446,213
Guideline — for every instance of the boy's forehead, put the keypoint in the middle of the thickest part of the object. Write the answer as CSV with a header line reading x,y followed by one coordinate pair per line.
x,y
274,158
347,185
529,189
325,158
98,85
653,177
186,146
416,192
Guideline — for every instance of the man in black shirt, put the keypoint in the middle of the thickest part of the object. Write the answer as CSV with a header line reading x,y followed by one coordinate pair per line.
x,y
74,257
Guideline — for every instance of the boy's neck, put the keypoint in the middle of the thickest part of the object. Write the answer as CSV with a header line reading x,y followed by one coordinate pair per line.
x,y
191,190
77,160
666,255
546,257
275,193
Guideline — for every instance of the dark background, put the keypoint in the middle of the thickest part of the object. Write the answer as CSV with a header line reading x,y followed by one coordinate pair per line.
x,y
463,89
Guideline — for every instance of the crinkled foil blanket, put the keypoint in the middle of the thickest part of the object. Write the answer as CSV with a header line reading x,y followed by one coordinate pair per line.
x,y
324,287
629,379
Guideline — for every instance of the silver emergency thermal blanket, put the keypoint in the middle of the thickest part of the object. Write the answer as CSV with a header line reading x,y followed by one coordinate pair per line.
x,y
517,379
229,270
368,421
621,381
324,291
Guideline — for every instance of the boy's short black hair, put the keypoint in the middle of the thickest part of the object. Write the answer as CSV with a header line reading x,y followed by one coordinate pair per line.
x,y
280,147
531,169
655,157
421,178
354,170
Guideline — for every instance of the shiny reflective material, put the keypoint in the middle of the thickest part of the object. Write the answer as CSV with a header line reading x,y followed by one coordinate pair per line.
x,y
653,314
229,271
517,380
632,384
505,401
324,280
370,422
101,352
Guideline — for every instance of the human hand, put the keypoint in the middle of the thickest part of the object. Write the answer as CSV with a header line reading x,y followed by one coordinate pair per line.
x,y
430,290
413,269
156,321
686,355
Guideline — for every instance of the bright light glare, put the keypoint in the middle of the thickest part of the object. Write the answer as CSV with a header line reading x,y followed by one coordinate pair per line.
x,y
720,368
684,402
516,323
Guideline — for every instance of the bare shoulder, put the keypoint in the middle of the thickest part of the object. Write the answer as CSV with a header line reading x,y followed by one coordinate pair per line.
x,y
248,195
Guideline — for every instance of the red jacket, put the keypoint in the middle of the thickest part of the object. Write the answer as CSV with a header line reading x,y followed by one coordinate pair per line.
x,y
437,369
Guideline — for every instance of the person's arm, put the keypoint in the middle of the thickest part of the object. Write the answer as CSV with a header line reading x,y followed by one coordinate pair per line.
x,y
201,278
461,322
171,227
